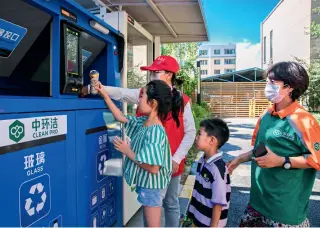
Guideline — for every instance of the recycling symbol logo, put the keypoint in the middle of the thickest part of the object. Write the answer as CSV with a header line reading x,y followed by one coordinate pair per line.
x,y
16,131
103,158
277,133
35,207
34,200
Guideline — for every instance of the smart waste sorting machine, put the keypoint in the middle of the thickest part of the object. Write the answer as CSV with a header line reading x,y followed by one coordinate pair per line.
x,y
53,142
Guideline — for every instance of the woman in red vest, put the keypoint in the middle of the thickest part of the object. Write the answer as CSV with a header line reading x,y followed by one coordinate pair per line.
x,y
180,138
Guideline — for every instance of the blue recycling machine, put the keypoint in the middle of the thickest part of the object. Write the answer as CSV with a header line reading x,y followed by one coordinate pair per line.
x,y
54,142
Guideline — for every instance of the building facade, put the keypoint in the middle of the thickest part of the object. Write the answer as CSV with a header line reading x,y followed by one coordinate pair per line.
x,y
217,59
285,33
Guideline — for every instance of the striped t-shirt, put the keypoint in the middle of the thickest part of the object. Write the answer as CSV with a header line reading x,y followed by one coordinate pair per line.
x,y
151,147
212,186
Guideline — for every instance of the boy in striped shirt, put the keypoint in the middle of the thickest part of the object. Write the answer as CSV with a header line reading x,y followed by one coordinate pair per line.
x,y
211,194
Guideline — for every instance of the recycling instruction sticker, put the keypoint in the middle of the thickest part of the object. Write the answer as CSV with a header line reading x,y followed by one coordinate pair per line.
x,y
28,129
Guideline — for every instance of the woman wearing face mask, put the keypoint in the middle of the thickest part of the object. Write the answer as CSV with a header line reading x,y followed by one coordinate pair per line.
x,y
180,138
282,179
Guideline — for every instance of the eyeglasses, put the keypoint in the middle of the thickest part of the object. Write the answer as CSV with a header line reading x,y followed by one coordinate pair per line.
x,y
158,72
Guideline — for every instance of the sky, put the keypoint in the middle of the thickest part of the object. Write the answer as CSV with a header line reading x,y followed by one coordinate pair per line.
x,y
238,21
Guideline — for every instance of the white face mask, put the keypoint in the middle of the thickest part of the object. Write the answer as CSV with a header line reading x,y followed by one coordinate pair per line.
x,y
272,93
155,75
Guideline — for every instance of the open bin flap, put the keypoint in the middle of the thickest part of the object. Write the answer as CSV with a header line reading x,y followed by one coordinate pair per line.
x,y
110,121
113,167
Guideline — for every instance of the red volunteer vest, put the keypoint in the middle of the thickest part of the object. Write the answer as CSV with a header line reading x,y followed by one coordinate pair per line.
x,y
175,135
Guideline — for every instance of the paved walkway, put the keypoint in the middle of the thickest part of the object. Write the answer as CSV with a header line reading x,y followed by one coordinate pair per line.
x,y
240,139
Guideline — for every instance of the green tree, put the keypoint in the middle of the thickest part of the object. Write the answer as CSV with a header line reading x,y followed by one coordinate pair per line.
x,y
314,29
136,78
312,96
316,10
186,54
314,87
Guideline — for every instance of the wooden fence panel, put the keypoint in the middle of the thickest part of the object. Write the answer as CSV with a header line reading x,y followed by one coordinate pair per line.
x,y
235,99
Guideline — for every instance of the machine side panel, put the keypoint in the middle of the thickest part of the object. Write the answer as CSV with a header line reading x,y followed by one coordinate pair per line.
x,y
35,167
99,197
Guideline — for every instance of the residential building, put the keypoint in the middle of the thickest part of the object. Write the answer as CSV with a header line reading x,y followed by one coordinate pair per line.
x,y
285,33
217,59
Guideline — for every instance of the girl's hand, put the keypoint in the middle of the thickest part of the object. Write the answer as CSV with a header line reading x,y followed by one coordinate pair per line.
x,y
175,167
121,145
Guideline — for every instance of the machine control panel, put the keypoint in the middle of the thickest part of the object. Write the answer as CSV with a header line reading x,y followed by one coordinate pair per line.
x,y
71,80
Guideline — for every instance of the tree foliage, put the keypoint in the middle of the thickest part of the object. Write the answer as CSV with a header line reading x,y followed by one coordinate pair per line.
x,y
312,95
136,78
186,54
316,10
314,30
313,99
315,27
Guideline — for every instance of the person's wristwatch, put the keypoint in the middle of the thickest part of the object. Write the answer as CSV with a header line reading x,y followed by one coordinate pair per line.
x,y
287,163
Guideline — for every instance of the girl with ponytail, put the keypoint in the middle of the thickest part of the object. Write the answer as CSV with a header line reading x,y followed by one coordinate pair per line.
x,y
179,126
148,164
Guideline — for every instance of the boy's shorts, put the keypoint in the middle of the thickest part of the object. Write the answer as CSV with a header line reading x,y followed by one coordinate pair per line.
x,y
151,197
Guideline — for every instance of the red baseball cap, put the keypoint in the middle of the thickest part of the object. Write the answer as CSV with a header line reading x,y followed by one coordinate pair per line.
x,y
163,62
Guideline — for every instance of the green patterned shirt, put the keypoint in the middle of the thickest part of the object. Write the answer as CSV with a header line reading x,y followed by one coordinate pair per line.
x,y
151,146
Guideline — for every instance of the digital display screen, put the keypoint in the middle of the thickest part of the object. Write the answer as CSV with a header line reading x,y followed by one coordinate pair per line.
x,y
72,41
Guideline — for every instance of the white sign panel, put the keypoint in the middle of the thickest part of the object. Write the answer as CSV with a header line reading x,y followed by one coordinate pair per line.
x,y
28,129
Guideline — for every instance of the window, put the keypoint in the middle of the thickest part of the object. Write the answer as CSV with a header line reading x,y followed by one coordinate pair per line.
x,y
229,51
203,52
217,62
216,71
229,61
203,62
93,50
264,49
271,45
217,51
203,72
229,70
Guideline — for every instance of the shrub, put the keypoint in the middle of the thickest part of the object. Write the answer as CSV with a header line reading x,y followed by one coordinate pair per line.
x,y
200,112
